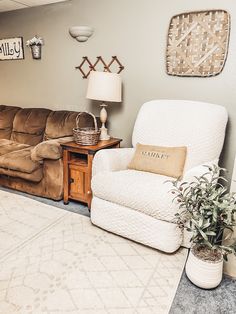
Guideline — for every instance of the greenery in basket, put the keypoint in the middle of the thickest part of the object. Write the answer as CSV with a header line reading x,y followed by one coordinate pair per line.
x,y
207,210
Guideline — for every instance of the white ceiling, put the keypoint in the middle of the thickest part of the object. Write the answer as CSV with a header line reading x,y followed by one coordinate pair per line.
x,y
9,5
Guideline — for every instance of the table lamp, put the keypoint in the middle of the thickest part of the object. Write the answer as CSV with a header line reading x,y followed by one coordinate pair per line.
x,y
104,86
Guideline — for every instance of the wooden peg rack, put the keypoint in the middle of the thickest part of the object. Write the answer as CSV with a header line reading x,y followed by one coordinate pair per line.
x,y
92,67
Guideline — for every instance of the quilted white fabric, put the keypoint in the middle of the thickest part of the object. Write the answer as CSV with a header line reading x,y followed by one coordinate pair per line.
x,y
112,159
142,191
138,204
198,171
145,192
197,125
136,226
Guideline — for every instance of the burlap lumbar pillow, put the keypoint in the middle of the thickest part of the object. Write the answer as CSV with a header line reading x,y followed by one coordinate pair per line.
x,y
167,161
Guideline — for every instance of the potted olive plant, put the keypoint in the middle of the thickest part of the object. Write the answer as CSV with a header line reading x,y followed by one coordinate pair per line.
x,y
208,212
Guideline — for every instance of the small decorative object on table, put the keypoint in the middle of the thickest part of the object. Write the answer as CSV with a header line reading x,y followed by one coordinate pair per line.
x,y
77,168
35,44
104,86
88,135
206,210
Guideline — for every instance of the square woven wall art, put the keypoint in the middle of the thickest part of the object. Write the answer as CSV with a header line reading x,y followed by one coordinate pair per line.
x,y
197,43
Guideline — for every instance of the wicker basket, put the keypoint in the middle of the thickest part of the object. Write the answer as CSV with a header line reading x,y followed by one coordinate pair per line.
x,y
86,136
198,43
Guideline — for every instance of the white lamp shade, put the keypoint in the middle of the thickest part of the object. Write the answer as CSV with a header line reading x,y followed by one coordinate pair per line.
x,y
104,86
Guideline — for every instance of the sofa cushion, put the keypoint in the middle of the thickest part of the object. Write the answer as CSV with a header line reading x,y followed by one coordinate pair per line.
x,y
19,161
7,114
61,123
29,125
35,176
142,191
7,146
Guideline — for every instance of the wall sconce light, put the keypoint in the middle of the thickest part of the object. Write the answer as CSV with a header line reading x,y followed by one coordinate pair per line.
x,y
81,33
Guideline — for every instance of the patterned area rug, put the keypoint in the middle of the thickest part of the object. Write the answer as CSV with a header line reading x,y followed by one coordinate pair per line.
x,y
64,264
21,218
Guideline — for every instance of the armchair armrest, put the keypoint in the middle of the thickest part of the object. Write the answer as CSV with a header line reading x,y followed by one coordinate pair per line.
x,y
198,170
50,149
114,159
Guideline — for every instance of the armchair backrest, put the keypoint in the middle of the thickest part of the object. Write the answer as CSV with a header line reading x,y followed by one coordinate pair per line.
x,y
199,126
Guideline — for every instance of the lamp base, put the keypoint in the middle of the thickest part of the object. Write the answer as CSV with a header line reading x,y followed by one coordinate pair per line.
x,y
103,117
104,136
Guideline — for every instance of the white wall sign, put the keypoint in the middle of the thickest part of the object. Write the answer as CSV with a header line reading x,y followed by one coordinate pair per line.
x,y
11,49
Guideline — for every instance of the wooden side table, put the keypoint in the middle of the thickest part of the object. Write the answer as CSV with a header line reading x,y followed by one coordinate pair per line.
x,y
77,169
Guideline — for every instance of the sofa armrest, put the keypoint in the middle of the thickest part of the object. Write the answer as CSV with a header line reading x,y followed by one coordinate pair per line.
x,y
198,170
114,159
50,149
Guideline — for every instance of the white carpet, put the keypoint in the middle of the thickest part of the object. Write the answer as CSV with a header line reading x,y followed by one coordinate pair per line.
x,y
57,262
21,218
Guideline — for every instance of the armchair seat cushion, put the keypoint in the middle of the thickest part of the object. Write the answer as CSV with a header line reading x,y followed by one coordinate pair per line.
x,y
7,146
141,191
19,160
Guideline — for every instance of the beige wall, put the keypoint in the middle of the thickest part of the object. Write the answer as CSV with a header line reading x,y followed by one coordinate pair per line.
x,y
135,31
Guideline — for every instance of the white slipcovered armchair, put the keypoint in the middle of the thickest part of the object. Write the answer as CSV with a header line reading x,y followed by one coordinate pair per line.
x,y
136,204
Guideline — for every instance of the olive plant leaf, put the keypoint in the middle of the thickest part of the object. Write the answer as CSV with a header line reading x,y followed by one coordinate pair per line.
x,y
206,209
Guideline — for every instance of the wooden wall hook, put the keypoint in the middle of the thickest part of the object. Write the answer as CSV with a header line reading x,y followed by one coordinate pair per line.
x,y
92,67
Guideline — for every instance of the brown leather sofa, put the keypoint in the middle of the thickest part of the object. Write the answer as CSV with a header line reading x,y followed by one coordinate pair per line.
x,y
30,151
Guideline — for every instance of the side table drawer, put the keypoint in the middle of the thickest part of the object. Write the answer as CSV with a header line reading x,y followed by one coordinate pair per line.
x,y
78,183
